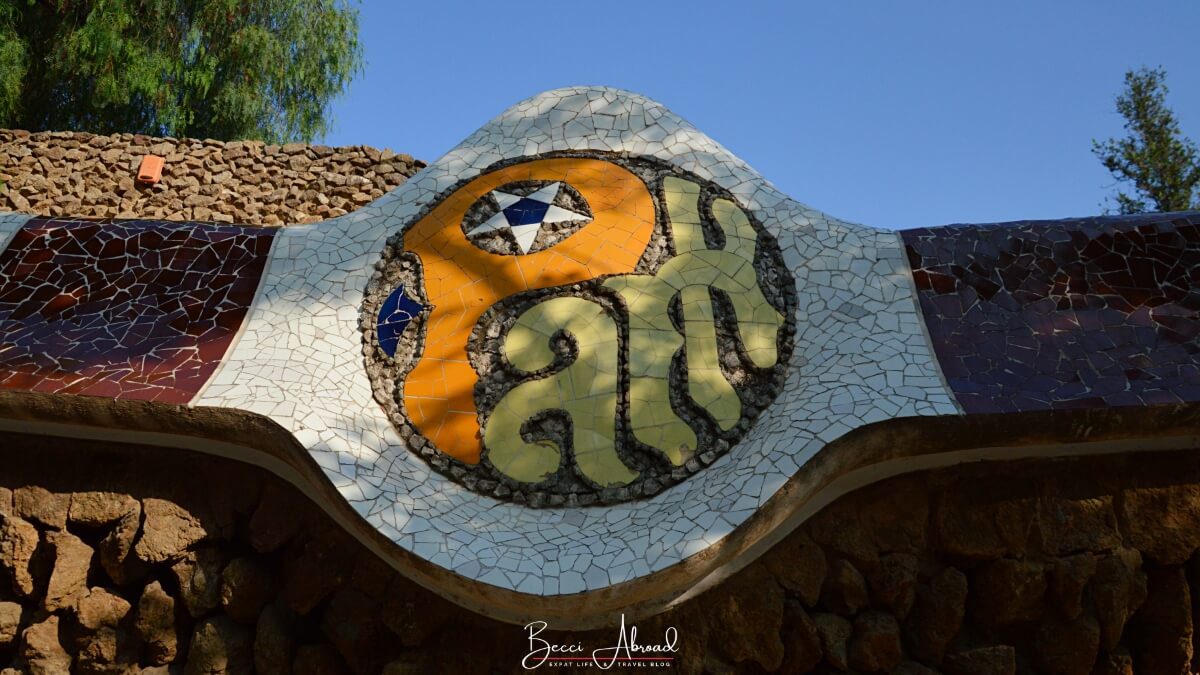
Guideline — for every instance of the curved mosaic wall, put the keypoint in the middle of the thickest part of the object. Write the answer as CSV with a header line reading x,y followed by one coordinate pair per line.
x,y
1064,314
589,351
135,309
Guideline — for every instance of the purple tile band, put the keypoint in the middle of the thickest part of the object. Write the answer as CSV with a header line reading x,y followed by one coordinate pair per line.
x,y
1036,315
134,309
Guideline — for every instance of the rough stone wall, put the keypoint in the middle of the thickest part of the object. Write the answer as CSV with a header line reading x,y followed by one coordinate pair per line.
x,y
81,174
117,559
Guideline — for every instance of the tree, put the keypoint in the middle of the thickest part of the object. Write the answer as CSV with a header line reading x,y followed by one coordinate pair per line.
x,y
1155,158
224,69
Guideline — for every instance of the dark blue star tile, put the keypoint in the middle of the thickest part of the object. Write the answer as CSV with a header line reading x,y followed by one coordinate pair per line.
x,y
526,212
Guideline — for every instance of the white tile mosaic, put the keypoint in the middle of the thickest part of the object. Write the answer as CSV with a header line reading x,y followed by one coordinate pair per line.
x,y
9,224
860,357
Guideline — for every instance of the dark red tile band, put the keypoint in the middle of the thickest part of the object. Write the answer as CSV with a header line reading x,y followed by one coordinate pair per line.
x,y
134,309
1038,315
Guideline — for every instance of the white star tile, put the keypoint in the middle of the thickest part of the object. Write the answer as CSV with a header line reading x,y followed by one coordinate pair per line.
x,y
527,233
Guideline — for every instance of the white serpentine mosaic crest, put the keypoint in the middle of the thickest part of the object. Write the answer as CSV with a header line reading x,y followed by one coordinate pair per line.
x,y
860,357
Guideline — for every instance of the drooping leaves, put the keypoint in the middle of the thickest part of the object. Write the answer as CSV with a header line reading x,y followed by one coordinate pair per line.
x,y
225,69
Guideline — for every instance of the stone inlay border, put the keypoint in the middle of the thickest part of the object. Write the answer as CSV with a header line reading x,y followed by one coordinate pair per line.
x,y
581,340
1079,313
124,309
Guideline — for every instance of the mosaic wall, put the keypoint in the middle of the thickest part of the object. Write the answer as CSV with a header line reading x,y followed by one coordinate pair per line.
x,y
1063,314
351,288
578,330
592,308
124,309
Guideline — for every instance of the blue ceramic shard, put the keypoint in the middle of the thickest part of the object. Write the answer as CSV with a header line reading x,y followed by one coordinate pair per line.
x,y
394,316
526,212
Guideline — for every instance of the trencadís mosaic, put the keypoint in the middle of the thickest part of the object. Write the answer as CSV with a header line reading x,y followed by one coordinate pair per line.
x,y
591,307
140,309
578,329
1079,313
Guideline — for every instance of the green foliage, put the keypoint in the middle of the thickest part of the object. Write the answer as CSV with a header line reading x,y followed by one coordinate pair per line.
x,y
225,69
1155,158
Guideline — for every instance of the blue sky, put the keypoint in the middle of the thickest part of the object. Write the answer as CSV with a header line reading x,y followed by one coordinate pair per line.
x,y
893,114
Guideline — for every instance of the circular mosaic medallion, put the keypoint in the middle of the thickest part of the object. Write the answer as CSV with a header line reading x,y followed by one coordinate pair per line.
x,y
578,329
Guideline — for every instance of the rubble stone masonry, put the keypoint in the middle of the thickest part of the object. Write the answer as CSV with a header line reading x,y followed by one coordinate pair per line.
x,y
124,559
81,174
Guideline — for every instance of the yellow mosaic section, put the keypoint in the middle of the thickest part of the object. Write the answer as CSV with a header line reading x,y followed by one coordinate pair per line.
x,y
691,273
586,390
462,281
653,341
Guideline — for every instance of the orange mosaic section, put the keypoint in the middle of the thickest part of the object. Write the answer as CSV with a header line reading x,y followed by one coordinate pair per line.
x,y
462,281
